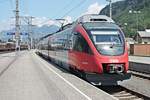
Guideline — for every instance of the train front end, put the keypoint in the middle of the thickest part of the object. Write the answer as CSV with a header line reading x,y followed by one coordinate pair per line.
x,y
110,53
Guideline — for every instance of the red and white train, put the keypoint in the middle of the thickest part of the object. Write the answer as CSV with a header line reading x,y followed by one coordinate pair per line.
x,y
93,46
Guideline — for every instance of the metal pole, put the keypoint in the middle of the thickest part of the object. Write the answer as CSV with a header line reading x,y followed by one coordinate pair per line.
x,y
137,21
137,25
110,9
30,32
17,34
137,17
28,20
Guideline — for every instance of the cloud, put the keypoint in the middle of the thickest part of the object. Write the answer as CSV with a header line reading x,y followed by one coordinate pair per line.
x,y
94,8
7,24
117,0
68,20
40,21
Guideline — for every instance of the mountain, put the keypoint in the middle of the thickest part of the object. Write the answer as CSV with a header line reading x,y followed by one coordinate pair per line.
x,y
44,30
37,32
130,15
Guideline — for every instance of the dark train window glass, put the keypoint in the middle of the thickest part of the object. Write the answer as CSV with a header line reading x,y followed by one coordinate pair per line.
x,y
80,44
108,41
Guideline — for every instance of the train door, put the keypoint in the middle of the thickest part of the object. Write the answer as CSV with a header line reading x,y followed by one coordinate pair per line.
x,y
81,55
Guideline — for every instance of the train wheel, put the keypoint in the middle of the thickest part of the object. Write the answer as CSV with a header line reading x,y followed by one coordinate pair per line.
x,y
71,70
82,74
49,58
78,73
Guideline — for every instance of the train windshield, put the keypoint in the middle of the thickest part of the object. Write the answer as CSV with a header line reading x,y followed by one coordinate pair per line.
x,y
108,41
106,37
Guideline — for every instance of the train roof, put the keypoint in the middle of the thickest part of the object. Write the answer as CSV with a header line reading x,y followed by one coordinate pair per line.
x,y
89,21
100,25
61,29
94,18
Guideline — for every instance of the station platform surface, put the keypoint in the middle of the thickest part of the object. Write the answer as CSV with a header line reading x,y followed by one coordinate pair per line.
x,y
139,64
139,59
26,76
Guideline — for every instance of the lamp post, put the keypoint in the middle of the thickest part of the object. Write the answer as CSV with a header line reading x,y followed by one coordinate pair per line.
x,y
17,34
110,8
126,29
137,17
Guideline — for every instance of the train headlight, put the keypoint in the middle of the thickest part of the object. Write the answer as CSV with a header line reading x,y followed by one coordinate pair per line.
x,y
115,68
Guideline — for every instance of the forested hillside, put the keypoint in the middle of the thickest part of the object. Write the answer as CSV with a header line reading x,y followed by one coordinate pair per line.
x,y
131,15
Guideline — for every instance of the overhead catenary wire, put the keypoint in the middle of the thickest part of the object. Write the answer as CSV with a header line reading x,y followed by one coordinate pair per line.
x,y
75,7
64,8
78,5
59,11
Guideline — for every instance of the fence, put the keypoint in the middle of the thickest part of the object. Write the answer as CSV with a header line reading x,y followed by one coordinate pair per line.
x,y
140,49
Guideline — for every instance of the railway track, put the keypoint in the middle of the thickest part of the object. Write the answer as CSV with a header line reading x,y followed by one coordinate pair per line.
x,y
141,75
120,92
5,52
123,93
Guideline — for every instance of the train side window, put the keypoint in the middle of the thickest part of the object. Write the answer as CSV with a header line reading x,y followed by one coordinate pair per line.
x,y
80,44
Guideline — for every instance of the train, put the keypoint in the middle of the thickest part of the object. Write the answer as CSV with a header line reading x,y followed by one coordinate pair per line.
x,y
10,46
93,46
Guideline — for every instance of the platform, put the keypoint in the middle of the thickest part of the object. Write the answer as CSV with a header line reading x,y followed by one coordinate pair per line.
x,y
139,59
26,76
139,64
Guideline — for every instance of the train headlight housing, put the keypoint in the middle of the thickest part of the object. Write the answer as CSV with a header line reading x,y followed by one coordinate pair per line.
x,y
115,68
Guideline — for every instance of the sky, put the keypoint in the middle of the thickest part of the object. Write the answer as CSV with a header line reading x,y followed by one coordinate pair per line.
x,y
48,9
